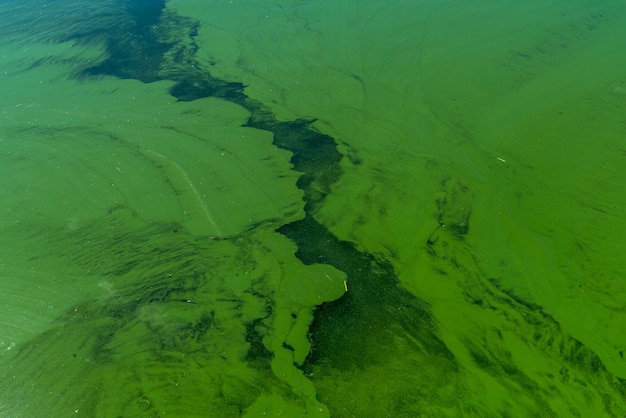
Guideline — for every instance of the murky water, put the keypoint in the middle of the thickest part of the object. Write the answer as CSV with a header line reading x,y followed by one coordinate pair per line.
x,y
289,208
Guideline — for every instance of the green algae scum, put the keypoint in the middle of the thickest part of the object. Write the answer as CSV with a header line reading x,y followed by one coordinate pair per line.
x,y
347,208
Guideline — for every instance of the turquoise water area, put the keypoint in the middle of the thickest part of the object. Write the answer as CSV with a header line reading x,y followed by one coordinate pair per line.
x,y
309,208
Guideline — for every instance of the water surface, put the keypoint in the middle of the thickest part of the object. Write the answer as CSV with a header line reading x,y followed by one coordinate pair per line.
x,y
347,208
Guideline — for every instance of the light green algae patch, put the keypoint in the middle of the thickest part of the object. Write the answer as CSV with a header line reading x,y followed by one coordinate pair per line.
x,y
126,132
549,114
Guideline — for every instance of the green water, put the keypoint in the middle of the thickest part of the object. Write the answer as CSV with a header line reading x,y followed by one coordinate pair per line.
x,y
312,208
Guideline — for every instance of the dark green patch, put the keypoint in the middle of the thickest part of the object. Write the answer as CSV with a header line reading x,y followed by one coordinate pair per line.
x,y
134,48
258,354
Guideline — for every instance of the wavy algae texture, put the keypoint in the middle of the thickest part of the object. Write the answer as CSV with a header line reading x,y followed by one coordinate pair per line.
x,y
312,208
